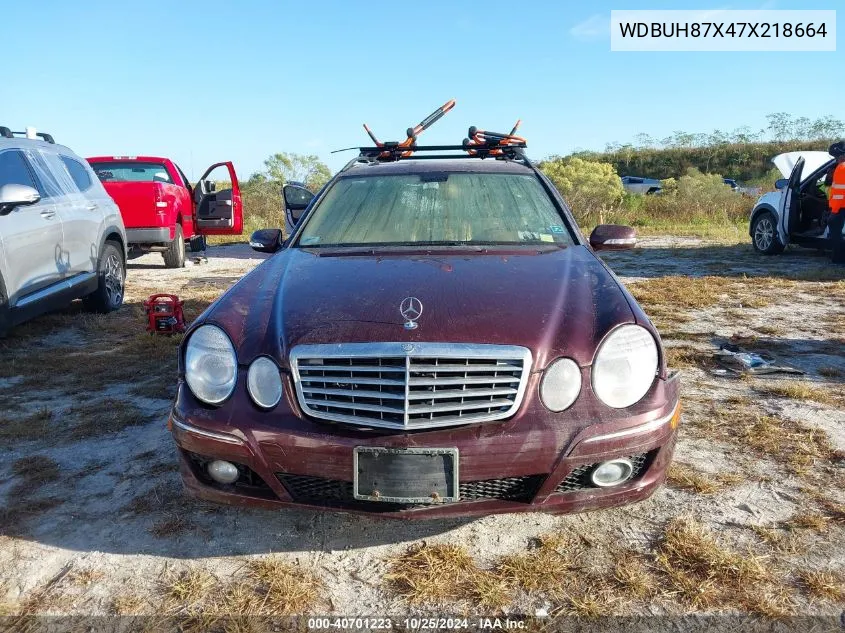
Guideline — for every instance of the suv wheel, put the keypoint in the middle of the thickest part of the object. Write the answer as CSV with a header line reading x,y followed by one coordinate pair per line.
x,y
764,234
5,310
198,243
112,274
174,256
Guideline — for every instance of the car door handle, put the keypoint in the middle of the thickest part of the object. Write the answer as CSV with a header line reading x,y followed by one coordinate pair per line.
x,y
93,206
48,214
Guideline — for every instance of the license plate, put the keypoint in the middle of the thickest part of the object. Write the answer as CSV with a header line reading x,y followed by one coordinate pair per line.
x,y
405,475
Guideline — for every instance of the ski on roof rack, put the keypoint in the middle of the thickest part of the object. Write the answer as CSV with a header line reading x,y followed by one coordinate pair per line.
x,y
389,152
29,133
479,144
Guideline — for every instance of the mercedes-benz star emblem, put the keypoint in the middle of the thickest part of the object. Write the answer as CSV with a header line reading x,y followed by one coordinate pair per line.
x,y
411,309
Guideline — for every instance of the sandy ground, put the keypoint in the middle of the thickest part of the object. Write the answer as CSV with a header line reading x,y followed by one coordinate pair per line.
x,y
97,529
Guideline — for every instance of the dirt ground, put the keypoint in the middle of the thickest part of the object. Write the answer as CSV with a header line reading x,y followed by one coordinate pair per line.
x,y
95,521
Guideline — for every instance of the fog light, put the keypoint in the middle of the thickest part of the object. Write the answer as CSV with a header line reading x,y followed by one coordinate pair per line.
x,y
612,473
223,472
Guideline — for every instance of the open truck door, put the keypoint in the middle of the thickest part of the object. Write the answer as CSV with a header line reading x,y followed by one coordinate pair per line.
x,y
218,212
791,202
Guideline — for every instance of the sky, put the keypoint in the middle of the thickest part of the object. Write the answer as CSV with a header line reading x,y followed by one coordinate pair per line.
x,y
202,82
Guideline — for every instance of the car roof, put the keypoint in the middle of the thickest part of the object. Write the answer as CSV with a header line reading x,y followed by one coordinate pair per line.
x,y
23,143
422,166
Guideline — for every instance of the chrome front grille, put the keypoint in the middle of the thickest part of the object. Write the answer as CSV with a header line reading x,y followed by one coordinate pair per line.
x,y
410,385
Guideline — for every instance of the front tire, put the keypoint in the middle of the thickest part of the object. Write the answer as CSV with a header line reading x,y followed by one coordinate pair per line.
x,y
5,311
764,234
111,270
174,256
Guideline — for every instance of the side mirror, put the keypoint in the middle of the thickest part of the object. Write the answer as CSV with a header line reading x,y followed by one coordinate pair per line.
x,y
612,237
14,195
781,183
266,240
297,198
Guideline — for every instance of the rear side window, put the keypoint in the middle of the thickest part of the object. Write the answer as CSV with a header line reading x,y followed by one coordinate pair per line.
x,y
78,173
13,170
53,180
125,171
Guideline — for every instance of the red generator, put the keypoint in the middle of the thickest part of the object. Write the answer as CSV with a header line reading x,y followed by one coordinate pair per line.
x,y
164,314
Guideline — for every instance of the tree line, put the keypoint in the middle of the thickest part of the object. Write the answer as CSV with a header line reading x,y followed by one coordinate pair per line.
x,y
743,153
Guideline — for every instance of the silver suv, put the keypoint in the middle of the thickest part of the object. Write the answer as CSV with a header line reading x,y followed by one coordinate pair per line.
x,y
61,235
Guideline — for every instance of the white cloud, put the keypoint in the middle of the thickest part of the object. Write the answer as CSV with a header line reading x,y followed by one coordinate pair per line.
x,y
595,27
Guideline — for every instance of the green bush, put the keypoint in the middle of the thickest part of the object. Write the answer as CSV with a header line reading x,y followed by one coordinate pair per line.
x,y
694,198
591,188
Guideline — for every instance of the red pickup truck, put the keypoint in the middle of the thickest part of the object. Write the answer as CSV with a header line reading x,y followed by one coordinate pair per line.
x,y
162,211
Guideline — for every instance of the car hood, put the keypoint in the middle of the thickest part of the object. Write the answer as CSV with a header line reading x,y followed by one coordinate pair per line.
x,y
812,161
557,302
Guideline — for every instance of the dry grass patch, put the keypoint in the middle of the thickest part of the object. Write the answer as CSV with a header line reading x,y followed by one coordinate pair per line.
x,y
35,471
440,573
128,604
17,512
809,521
109,415
188,589
87,576
681,292
165,497
686,356
797,390
26,427
786,542
280,588
686,477
770,330
171,527
703,573
797,446
266,587
827,585
831,372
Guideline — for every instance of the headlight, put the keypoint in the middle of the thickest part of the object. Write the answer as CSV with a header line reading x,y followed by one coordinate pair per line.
x,y
264,382
211,368
561,384
625,366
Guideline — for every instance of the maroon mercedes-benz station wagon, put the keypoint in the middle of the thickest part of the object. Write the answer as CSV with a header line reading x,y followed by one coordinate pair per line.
x,y
434,338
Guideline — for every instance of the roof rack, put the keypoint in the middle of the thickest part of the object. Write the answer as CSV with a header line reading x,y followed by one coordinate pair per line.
x,y
395,151
478,144
7,133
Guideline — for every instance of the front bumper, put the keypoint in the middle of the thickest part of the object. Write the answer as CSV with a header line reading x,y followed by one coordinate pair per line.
x,y
515,466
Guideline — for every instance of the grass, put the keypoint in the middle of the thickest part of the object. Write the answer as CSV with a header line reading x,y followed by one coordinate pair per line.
x,y
686,477
87,576
704,573
809,520
128,604
109,415
17,512
798,390
171,527
827,585
27,427
831,372
188,589
263,587
686,356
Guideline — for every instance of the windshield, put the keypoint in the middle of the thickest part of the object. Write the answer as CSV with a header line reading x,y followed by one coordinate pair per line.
x,y
435,209
125,171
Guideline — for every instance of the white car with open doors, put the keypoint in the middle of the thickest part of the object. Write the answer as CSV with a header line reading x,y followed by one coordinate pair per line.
x,y
797,212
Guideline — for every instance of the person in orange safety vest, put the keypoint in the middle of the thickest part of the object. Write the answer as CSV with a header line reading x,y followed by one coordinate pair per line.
x,y
836,199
